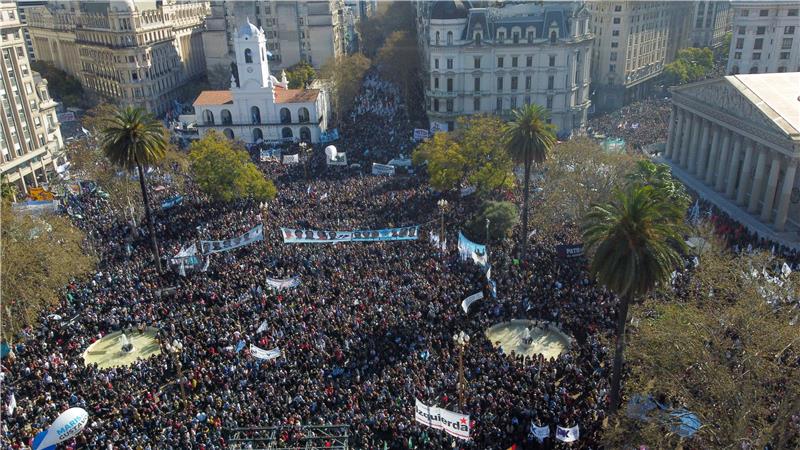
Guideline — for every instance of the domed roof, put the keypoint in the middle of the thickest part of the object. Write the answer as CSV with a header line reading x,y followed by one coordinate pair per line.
x,y
248,29
450,9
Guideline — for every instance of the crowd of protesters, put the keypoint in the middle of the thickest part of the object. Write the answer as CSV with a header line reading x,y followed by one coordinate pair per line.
x,y
640,123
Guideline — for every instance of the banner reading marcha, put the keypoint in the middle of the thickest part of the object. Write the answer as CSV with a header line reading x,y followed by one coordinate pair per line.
x,y
452,423
300,236
256,234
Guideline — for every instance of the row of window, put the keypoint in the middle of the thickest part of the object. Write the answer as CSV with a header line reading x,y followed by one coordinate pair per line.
x,y
501,36
255,116
286,133
477,103
789,29
757,56
765,12
551,81
758,43
501,61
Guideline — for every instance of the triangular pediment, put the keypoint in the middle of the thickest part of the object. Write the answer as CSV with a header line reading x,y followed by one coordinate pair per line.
x,y
723,96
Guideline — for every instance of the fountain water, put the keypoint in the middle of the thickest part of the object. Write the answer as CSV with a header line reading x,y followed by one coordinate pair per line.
x,y
127,346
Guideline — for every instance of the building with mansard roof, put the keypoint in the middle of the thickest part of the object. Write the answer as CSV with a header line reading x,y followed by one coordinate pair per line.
x,y
259,107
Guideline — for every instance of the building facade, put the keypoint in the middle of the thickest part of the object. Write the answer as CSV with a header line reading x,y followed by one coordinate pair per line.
x,y
712,20
766,37
633,42
491,60
259,107
134,53
22,11
736,140
30,139
310,31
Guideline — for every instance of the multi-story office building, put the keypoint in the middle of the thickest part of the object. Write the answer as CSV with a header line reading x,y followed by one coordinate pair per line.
x,y
310,31
712,20
766,37
633,42
22,11
134,53
496,58
30,137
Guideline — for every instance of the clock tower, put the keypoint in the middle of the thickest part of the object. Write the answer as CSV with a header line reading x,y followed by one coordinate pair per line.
x,y
251,57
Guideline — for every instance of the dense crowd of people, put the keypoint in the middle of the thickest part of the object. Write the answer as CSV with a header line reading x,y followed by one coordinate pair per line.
x,y
640,123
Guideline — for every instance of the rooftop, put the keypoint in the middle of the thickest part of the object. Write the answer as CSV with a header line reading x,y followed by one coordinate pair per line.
x,y
776,94
282,95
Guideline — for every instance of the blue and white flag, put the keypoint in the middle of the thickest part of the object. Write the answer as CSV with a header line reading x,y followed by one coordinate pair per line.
x,y
172,201
694,214
540,433
260,353
239,346
567,434
301,236
470,250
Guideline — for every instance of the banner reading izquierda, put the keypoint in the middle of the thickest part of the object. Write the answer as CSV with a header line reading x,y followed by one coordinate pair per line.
x,y
301,236
452,423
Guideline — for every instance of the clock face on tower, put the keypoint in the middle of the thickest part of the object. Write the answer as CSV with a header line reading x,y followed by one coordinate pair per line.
x,y
249,70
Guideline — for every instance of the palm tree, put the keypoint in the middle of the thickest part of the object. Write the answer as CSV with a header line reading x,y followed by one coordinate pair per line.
x,y
529,138
636,241
133,139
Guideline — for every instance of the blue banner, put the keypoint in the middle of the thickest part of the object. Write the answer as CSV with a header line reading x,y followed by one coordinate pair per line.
x,y
300,236
329,136
173,201
470,250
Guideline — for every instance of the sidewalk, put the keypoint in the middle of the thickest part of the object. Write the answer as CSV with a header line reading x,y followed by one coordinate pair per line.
x,y
788,239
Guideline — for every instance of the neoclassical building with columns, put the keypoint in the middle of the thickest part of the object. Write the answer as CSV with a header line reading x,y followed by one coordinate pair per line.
x,y
736,140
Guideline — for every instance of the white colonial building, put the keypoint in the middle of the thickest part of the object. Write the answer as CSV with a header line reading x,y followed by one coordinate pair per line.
x,y
736,141
260,107
494,59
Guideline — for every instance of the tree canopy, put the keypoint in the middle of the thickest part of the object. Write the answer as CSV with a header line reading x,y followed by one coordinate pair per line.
x,y
223,170
390,17
345,74
300,74
691,64
40,254
62,86
468,156
398,61
503,217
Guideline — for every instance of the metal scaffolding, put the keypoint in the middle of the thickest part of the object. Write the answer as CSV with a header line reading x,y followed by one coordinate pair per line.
x,y
302,437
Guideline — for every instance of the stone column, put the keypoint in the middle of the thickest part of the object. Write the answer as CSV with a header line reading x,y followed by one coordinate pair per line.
x,y
687,162
747,168
671,132
733,168
786,194
701,151
683,152
713,155
771,187
758,180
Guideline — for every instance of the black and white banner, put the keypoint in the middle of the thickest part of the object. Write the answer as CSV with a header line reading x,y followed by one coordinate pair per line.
x,y
300,236
291,159
465,304
567,434
280,285
255,234
452,423
382,169
260,353
569,251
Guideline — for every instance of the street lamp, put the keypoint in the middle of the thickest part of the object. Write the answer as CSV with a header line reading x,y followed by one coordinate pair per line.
x,y
263,207
442,206
461,339
304,152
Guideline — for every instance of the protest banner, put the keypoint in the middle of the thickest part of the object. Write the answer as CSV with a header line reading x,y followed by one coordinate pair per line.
x,y
172,201
382,169
291,159
280,285
255,234
260,353
470,250
569,251
567,434
272,154
300,236
420,134
452,423
465,304
467,191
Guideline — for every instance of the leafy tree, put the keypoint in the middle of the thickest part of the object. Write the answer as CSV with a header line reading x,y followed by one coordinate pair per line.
x,y
134,140
39,255
634,242
345,74
300,74
528,139
503,217
714,345
648,173
578,174
219,76
470,155
8,191
690,65
390,17
62,86
226,173
398,61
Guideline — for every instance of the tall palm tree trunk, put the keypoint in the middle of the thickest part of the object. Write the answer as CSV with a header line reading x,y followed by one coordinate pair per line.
x,y
525,194
149,217
619,358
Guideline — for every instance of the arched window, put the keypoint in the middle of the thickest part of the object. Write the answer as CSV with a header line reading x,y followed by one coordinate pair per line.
x,y
226,117
449,38
437,38
228,133
553,36
248,55
257,135
255,114
305,134
286,115
302,115
208,117
478,38
286,132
